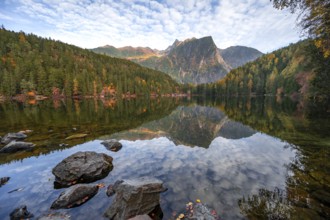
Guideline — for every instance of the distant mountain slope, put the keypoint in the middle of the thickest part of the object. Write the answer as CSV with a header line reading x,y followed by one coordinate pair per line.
x,y
190,61
127,52
35,65
237,56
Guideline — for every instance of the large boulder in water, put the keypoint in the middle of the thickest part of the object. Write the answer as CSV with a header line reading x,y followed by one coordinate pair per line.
x,y
135,197
13,137
82,167
15,146
75,196
20,213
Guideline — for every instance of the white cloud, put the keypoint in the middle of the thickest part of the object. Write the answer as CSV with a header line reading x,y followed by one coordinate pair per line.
x,y
155,24
5,17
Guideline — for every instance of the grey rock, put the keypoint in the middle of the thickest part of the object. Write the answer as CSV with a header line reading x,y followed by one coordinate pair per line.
x,y
112,145
135,197
111,188
141,217
15,146
75,196
82,167
55,216
4,180
13,137
20,213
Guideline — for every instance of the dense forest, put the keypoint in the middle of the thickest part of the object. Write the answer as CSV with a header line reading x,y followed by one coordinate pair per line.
x,y
298,69
33,65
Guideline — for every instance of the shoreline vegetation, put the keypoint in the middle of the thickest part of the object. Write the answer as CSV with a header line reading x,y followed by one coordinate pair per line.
x,y
27,97
39,68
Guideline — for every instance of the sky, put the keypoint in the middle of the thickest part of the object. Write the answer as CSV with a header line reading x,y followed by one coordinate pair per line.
x,y
153,23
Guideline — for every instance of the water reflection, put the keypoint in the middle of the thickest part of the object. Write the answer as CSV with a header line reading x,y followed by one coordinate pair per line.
x,y
253,158
192,125
52,123
218,175
306,126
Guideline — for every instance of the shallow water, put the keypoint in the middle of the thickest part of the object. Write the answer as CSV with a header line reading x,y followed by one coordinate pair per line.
x,y
197,149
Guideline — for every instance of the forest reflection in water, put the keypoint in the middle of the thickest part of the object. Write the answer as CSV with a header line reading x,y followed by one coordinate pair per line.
x,y
207,149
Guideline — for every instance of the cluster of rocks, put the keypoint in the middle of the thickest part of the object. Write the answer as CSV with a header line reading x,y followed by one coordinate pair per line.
x,y
14,142
135,198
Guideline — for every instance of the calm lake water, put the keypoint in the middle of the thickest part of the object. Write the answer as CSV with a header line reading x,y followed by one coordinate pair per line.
x,y
245,158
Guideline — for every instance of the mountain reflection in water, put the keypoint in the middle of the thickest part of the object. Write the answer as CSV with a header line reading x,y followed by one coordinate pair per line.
x,y
233,155
191,126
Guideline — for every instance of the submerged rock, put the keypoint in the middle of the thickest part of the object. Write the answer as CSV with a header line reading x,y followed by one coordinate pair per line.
x,y
55,216
198,211
111,188
13,137
75,196
141,217
15,146
4,180
112,145
82,167
76,136
135,197
20,213
25,131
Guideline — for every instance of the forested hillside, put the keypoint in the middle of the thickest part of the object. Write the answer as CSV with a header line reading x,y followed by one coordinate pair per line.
x,y
33,65
296,69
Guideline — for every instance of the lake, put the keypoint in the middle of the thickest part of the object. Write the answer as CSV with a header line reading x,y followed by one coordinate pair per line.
x,y
256,158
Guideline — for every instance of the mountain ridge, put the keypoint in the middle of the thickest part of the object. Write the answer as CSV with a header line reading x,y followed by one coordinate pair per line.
x,y
192,60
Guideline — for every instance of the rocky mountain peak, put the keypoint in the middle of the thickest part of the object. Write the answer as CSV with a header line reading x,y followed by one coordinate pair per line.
x,y
107,46
193,60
